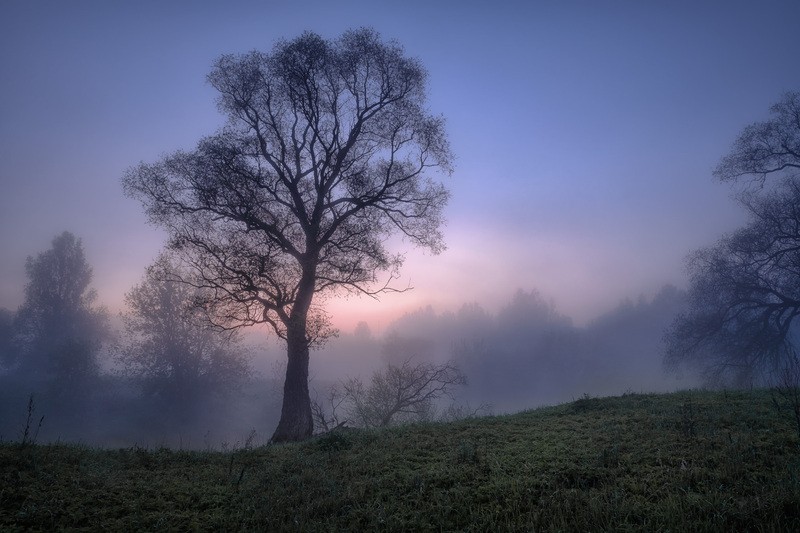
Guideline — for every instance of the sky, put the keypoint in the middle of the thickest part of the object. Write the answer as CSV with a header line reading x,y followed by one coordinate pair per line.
x,y
585,133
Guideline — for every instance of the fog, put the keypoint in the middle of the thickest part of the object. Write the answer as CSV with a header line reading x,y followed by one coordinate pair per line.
x,y
525,355
586,200
529,354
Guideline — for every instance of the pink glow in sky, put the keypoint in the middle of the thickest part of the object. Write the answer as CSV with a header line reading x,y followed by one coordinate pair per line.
x,y
585,132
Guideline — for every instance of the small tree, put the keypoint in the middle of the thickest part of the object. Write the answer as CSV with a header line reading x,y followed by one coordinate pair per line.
x,y
328,151
58,331
398,393
170,346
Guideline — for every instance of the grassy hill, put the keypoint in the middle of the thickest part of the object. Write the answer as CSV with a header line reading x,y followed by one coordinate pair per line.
x,y
701,461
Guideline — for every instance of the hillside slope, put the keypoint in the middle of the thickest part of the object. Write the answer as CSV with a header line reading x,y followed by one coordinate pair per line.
x,y
717,461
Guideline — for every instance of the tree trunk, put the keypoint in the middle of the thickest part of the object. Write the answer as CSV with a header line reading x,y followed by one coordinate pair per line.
x,y
296,421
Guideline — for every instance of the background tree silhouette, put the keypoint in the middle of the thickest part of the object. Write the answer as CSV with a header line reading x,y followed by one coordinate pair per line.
x,y
58,332
326,154
171,349
745,290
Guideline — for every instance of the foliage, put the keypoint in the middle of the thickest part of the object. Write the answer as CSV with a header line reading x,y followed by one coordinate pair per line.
x,y
170,347
622,464
327,153
745,289
58,332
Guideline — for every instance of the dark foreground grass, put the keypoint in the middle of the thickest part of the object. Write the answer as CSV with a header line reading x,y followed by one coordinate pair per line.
x,y
699,461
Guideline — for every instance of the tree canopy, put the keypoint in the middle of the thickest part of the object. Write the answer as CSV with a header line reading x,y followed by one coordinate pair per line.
x,y
767,148
328,151
170,346
745,289
58,332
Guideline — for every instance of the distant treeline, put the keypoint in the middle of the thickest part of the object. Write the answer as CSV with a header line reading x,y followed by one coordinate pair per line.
x,y
167,379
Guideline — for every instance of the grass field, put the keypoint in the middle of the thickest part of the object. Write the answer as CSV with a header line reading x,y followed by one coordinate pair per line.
x,y
700,461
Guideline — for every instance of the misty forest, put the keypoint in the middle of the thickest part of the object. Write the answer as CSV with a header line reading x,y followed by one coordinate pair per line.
x,y
329,167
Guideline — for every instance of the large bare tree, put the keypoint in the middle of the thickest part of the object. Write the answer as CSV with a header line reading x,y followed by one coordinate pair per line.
x,y
327,153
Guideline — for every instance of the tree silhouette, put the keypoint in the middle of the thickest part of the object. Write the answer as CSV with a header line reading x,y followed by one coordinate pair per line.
x,y
745,290
326,154
768,148
745,293
58,330
171,348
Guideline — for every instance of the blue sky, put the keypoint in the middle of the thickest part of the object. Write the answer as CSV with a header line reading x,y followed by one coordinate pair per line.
x,y
585,132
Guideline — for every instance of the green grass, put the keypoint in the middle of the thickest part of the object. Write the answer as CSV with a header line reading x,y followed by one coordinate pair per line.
x,y
700,461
